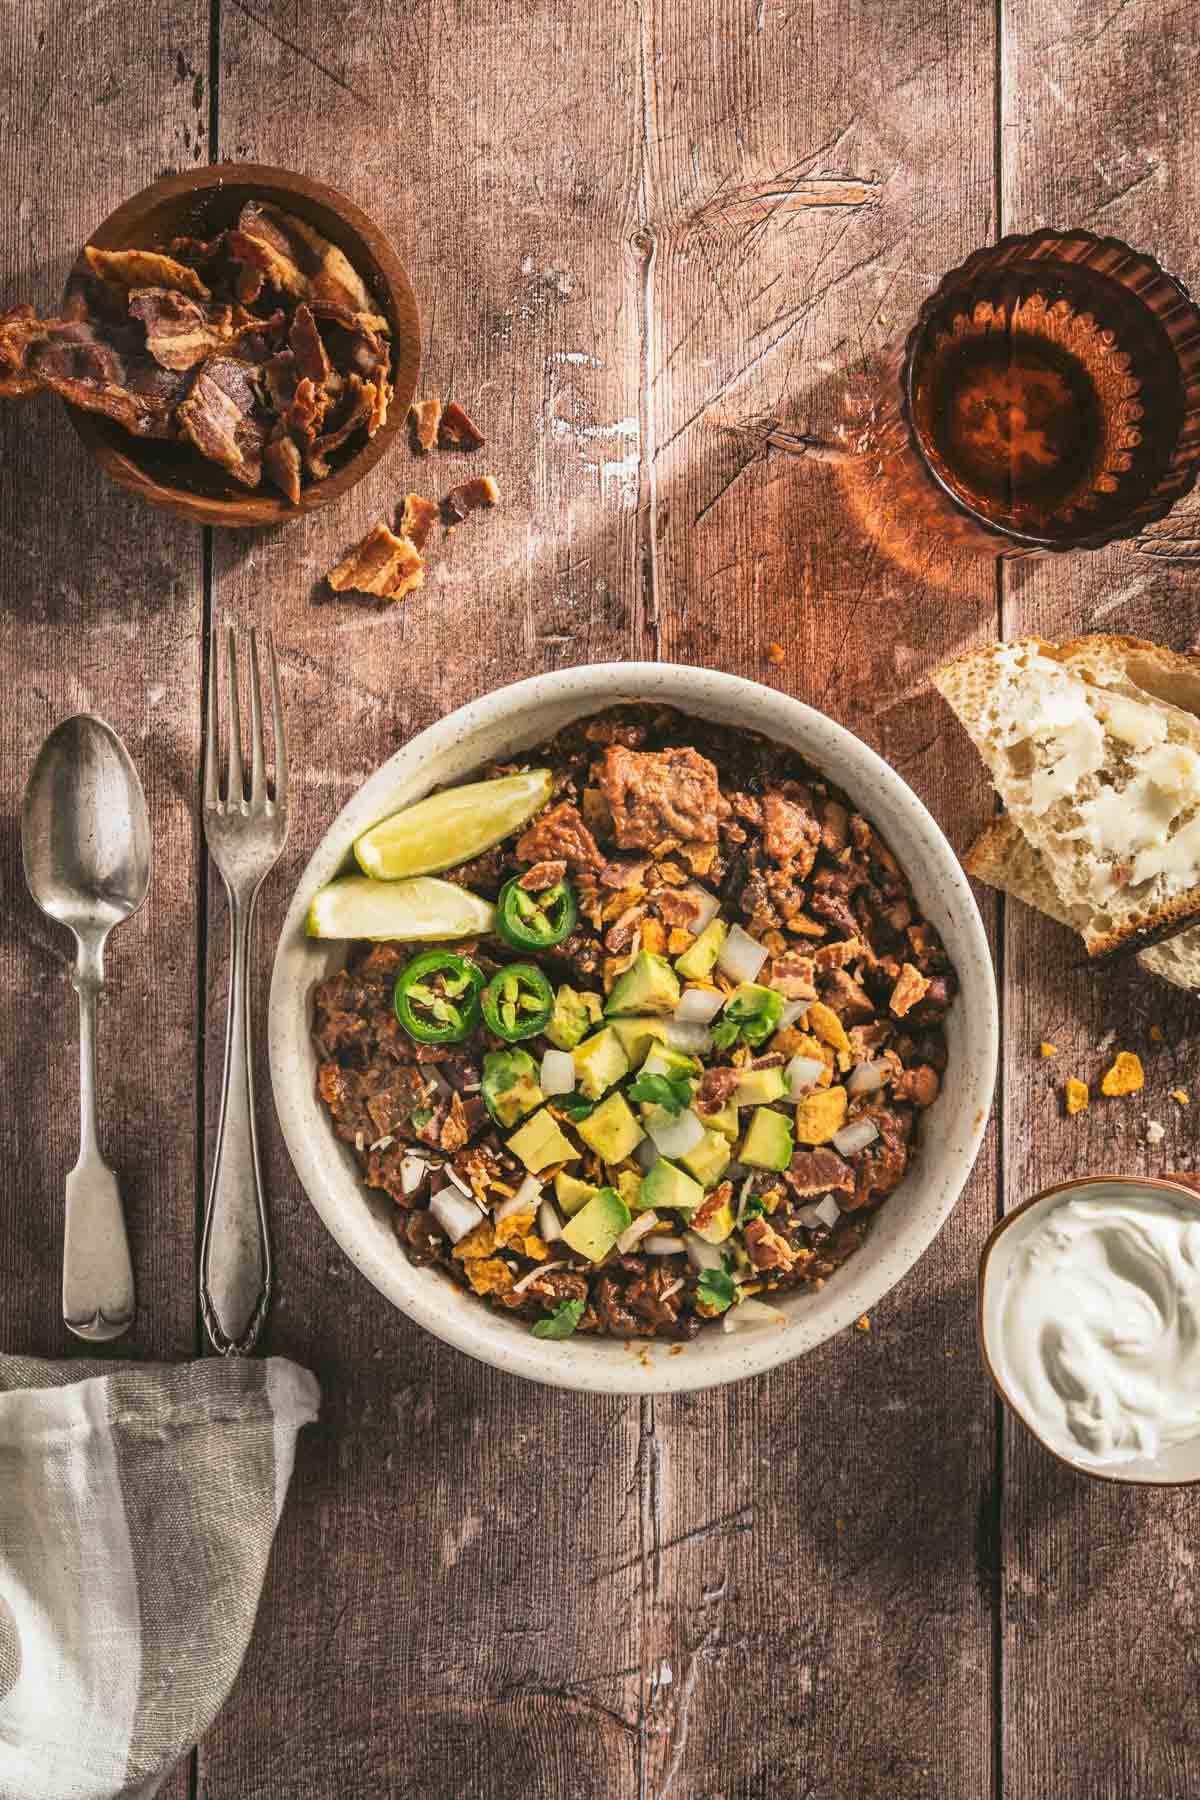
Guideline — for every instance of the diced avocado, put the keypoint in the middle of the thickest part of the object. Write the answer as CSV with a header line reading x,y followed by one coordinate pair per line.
x,y
573,1017
597,1226
664,1186
698,959
662,1060
758,1087
709,1159
510,1087
757,1010
539,1143
599,1062
726,1121
649,985
629,1186
768,1142
638,1036
572,1193
717,1228
611,1131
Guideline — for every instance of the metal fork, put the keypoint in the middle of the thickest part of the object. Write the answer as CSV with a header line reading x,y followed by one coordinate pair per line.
x,y
245,832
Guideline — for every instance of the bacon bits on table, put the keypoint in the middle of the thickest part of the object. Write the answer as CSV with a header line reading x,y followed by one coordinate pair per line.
x,y
468,497
457,431
261,348
382,564
418,520
427,417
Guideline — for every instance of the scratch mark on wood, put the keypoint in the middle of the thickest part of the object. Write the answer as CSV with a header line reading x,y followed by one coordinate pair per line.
x,y
765,202
687,1690
742,1519
725,486
646,244
300,51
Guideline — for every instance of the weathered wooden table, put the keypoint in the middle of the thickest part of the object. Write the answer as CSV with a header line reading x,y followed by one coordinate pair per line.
x,y
848,1578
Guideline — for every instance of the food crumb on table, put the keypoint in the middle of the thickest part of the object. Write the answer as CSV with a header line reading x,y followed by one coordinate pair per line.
x,y
776,653
1157,1034
1180,1096
1076,1096
863,1324
1125,1076
1045,1049
1155,1133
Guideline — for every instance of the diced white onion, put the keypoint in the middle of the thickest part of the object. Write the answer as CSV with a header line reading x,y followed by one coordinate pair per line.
x,y
413,1170
673,1289
708,904
855,1136
791,1012
867,1078
698,1005
692,1040
675,1137
383,1143
662,1245
558,1073
455,1215
646,1154
464,1187
549,1223
702,1254
741,956
803,1072
519,1287
752,1312
525,1200
826,1212
636,1231
747,1186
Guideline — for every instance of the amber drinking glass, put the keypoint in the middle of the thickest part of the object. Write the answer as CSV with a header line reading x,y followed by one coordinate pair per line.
x,y
1048,398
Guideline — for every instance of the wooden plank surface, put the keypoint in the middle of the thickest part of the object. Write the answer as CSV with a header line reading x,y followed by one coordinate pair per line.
x,y
1097,1600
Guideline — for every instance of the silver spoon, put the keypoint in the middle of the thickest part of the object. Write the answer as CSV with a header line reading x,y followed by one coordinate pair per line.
x,y
85,838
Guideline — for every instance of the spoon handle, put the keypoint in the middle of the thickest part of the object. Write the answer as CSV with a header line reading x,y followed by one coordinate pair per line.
x,y
97,1269
235,1254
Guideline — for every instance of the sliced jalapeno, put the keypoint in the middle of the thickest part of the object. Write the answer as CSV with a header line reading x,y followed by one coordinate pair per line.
x,y
535,921
518,1002
437,997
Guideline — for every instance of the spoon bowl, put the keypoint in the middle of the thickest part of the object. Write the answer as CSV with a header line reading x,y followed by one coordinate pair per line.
x,y
85,842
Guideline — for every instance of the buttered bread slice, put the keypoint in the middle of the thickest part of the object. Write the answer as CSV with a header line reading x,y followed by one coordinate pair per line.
x,y
1094,747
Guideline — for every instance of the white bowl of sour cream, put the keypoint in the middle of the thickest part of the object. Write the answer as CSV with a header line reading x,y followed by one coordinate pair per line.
x,y
1089,1323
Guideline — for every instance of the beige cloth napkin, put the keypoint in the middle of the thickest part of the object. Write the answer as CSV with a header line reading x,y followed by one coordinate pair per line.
x,y
138,1504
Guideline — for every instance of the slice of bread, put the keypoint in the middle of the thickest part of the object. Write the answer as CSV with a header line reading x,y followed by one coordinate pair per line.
x,y
1094,747
1003,858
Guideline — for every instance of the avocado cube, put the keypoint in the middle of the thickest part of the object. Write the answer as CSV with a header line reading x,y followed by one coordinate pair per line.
x,y
638,1036
611,1131
649,985
699,959
709,1159
539,1143
629,1186
726,1121
768,1142
599,1062
662,1060
758,1087
597,1226
571,1193
665,1187
573,1017
718,1227
510,1085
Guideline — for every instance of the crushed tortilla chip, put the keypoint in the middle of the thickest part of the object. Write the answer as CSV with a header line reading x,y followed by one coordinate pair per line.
x,y
479,1242
512,1230
654,936
490,1276
820,1114
863,1324
1181,1096
1045,1049
535,1247
1157,1034
825,1024
1125,1076
1076,1095
678,940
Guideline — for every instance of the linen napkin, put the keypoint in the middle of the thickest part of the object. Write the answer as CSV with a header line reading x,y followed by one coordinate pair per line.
x,y
138,1504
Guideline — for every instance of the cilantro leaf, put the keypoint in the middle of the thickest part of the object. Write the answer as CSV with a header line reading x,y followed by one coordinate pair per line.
x,y
672,1092
753,1209
724,1033
562,1320
715,1289
419,1117
575,1106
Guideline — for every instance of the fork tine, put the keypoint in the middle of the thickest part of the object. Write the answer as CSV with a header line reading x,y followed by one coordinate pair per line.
x,y
212,792
237,784
258,780
281,764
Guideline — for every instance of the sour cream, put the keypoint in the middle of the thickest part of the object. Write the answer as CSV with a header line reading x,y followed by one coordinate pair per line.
x,y
1098,1327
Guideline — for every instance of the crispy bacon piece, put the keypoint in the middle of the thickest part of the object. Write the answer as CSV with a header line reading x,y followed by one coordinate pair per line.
x,y
469,496
220,416
102,369
427,416
281,460
457,431
559,835
306,345
381,564
543,875
180,332
419,518
359,402
277,247
20,330
145,269
658,794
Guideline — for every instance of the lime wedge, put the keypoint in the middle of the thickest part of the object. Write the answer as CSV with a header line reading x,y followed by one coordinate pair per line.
x,y
451,827
410,910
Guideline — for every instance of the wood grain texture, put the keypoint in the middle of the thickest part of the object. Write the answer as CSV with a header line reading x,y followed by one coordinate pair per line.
x,y
454,1606
1099,1611
100,606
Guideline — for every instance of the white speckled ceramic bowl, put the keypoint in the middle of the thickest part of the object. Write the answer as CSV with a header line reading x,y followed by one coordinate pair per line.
x,y
514,719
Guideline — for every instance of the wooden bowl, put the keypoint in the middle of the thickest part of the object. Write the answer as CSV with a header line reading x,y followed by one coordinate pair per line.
x,y
200,204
